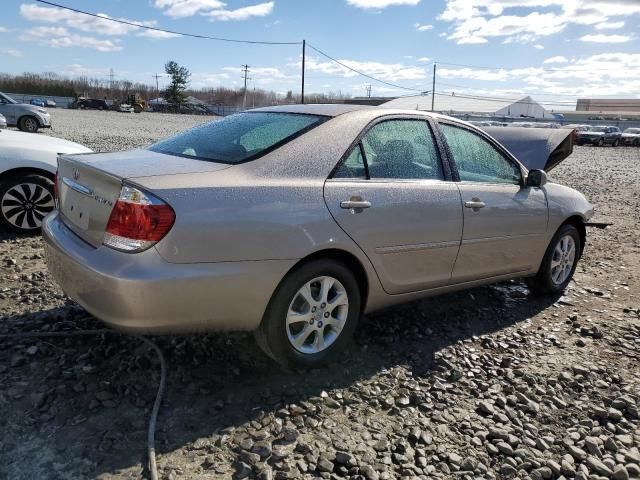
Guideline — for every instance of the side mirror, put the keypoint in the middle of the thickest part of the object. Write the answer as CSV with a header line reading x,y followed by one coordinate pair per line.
x,y
536,178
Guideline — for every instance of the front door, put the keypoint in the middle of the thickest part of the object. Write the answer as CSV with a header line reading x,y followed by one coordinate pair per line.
x,y
505,222
391,197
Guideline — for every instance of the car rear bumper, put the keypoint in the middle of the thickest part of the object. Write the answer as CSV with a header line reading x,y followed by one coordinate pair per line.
x,y
144,293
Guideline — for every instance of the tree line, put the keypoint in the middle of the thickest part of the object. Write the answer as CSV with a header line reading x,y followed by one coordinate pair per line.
x,y
53,84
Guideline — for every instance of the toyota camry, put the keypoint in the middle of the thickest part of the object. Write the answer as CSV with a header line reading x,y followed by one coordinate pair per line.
x,y
294,221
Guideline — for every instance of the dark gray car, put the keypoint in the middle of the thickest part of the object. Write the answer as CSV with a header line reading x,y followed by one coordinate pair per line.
x,y
28,118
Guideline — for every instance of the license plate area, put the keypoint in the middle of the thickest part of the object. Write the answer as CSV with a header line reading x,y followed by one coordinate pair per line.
x,y
76,205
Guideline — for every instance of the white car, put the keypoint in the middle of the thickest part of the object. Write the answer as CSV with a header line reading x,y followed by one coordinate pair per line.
x,y
27,170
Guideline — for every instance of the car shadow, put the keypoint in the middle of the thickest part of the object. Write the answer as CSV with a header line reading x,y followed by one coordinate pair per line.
x,y
98,390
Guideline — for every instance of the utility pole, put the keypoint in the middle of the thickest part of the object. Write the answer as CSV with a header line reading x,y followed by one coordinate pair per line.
x,y
433,90
156,76
304,51
111,81
368,87
245,69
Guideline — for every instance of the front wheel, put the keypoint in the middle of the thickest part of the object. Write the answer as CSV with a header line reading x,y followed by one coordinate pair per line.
x,y
24,202
311,316
615,143
559,262
600,142
28,124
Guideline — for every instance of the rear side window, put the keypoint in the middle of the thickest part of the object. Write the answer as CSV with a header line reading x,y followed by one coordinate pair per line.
x,y
477,159
394,149
237,138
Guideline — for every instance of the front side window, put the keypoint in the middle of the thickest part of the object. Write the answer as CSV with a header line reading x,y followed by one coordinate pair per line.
x,y
477,159
238,137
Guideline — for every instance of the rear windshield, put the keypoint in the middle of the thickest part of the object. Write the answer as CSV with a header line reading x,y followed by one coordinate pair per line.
x,y
238,138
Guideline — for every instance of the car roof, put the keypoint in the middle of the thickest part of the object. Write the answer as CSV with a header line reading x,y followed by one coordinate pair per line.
x,y
324,109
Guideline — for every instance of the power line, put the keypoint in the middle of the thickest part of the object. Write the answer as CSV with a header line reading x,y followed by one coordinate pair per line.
x,y
362,73
156,29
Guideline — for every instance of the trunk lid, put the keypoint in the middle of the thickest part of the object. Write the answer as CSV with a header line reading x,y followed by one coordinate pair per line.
x,y
89,185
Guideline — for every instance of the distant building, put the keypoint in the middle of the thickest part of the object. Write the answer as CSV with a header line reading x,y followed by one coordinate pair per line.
x,y
462,104
602,105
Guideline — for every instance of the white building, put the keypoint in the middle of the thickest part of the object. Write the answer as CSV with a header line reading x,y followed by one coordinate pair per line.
x,y
453,104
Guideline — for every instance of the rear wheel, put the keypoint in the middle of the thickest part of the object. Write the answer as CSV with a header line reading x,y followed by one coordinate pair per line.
x,y
615,143
24,202
28,124
600,142
559,262
311,316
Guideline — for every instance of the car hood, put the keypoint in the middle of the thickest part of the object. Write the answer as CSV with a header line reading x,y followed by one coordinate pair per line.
x,y
145,163
590,134
631,134
535,148
31,141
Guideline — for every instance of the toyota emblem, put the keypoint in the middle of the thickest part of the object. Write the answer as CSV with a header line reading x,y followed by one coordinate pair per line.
x,y
76,174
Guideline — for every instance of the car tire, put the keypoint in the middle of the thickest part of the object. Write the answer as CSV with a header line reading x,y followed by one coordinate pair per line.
x,y
600,142
615,143
24,201
304,328
559,262
28,124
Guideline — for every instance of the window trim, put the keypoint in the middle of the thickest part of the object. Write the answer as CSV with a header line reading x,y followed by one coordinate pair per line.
x,y
506,154
447,171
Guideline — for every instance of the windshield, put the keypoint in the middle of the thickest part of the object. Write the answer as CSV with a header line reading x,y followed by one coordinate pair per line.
x,y
6,99
238,138
598,129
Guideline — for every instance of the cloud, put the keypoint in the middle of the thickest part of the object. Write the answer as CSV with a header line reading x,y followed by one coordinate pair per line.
x,y
524,21
243,13
12,52
424,59
390,72
609,25
537,46
60,37
156,34
78,21
214,9
380,4
602,38
556,59
3,29
422,27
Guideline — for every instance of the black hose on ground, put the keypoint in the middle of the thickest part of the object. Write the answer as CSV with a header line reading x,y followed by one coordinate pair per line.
x,y
151,432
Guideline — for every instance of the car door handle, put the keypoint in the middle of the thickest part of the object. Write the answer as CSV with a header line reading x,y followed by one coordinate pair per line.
x,y
475,204
355,203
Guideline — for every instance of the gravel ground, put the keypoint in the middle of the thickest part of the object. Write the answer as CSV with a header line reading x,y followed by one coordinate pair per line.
x,y
488,383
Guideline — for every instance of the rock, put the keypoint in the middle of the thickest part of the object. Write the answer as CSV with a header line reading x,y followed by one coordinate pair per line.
x,y
577,453
469,464
597,466
369,473
486,408
325,465
620,473
343,458
455,459
505,448
508,470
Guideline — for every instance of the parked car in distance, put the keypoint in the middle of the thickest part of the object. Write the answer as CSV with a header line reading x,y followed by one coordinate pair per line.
x,y
631,136
3,122
50,104
599,136
28,118
27,169
577,127
92,103
38,102
293,221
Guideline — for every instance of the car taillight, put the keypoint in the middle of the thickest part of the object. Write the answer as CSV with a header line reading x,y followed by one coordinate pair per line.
x,y
138,221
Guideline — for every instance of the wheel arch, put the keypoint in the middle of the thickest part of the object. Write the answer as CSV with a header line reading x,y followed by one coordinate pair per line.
x,y
22,171
26,115
346,258
578,222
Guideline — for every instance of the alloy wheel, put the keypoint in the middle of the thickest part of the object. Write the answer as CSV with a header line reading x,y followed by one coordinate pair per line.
x,y
25,205
563,258
30,125
317,314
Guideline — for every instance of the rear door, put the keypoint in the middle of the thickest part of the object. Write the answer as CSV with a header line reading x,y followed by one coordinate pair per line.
x,y
392,197
505,222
